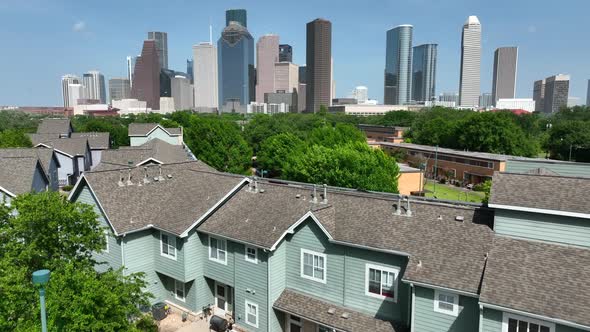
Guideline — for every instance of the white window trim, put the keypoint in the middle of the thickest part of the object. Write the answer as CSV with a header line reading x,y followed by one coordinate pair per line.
x,y
106,236
255,260
506,316
246,313
224,261
314,253
170,238
386,269
455,311
176,283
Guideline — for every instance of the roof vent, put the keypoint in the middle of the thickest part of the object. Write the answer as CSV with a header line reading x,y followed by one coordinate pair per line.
x,y
398,207
129,183
121,178
345,315
314,194
261,191
160,177
331,311
156,178
439,217
408,210
169,176
146,179
460,218
419,263
298,196
325,195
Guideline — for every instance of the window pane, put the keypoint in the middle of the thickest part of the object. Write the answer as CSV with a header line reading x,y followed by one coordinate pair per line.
x,y
544,329
512,323
387,291
213,243
171,251
320,262
533,328
308,270
376,275
222,245
319,273
165,239
308,259
445,306
522,325
222,255
295,328
374,287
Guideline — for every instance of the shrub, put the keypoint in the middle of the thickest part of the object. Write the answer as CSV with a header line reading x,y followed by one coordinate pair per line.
x,y
68,188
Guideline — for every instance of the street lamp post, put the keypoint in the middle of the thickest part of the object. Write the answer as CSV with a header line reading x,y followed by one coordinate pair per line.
x,y
40,279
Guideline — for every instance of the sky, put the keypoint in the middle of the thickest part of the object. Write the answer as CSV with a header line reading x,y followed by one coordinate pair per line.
x,y
43,40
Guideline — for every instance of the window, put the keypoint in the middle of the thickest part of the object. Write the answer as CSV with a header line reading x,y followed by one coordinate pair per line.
x,y
217,250
251,255
381,282
313,265
179,290
515,323
446,303
295,324
168,246
106,238
322,328
252,314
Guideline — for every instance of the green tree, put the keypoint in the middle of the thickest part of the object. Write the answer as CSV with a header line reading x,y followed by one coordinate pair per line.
x,y
219,144
569,135
353,165
45,230
14,138
115,126
487,189
330,136
276,150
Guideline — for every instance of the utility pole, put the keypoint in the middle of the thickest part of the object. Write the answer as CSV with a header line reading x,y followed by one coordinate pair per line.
x,y
435,169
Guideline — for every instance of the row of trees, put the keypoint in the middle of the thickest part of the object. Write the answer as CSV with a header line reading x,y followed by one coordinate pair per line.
x,y
46,231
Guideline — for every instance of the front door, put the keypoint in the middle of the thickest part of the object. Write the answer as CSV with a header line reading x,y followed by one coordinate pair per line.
x,y
220,299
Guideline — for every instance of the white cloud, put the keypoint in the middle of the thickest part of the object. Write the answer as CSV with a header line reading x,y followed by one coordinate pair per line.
x,y
532,29
79,26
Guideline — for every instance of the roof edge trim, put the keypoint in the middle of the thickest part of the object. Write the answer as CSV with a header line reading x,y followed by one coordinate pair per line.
x,y
543,211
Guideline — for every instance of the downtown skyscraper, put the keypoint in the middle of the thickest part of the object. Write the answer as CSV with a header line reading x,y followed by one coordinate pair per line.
x,y
94,86
285,53
236,15
236,65
556,93
504,79
161,39
469,82
267,54
424,72
66,90
119,88
146,76
398,65
319,64
205,77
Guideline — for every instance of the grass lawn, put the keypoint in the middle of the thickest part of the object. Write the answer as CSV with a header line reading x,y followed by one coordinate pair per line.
x,y
453,193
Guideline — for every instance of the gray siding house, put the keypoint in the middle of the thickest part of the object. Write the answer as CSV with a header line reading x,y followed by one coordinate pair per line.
x,y
282,256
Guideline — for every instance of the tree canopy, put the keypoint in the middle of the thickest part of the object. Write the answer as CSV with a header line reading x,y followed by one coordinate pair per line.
x,y
14,138
46,231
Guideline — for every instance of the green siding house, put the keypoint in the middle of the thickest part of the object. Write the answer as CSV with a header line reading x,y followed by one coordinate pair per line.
x,y
275,256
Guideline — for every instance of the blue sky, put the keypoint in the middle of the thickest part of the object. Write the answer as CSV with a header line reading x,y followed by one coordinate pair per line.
x,y
43,40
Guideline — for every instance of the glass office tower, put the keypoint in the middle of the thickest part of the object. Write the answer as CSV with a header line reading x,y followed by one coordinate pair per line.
x,y
424,72
398,65
236,15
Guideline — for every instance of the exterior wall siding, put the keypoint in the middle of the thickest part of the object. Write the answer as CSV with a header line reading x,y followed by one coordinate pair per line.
x,y
277,261
544,227
67,167
39,181
139,250
492,322
566,169
427,320
173,268
53,174
112,258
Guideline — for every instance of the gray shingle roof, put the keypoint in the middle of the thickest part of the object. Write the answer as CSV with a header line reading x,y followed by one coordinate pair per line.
x,y
96,140
142,129
559,193
44,155
541,278
54,126
311,308
172,204
40,138
71,146
155,148
16,173
451,253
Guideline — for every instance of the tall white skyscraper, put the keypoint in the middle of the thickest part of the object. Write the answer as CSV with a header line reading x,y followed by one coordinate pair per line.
x,y
94,86
181,93
469,82
66,80
76,91
130,69
361,94
205,76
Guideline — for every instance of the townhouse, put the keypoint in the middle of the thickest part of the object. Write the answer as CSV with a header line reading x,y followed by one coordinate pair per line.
x,y
139,133
98,143
281,256
74,155
20,175
47,157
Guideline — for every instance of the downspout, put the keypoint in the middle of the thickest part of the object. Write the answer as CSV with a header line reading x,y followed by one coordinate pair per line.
x,y
123,253
480,318
412,328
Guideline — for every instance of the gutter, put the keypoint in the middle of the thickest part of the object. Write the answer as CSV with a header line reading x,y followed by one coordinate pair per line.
x,y
452,290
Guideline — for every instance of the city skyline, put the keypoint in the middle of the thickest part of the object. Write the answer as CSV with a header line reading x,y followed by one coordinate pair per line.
x,y
98,48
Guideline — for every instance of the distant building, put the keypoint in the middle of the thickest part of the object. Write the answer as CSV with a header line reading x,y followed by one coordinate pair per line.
x,y
130,69
182,93
361,94
588,94
440,103
398,65
119,88
131,106
486,100
146,77
66,81
236,65
424,72
556,93
285,53
301,94
526,104
318,76
287,98
161,39
94,86
267,54
236,15
449,97
189,70
264,108
469,83
344,101
539,95
303,74
573,101
286,77
166,105
205,76
76,93
368,110
504,80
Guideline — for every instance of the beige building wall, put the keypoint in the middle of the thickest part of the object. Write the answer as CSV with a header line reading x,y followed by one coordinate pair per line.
x,y
267,54
286,76
410,182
